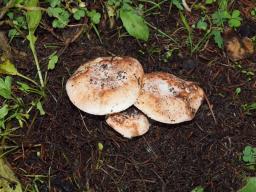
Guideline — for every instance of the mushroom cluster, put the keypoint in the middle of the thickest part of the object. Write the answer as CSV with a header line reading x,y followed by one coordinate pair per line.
x,y
111,85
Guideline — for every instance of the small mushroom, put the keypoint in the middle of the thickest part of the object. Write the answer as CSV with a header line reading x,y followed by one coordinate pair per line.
x,y
169,99
237,47
129,123
105,85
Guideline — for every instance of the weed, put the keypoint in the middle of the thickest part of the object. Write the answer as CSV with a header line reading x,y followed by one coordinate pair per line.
x,y
201,24
13,107
238,91
198,189
177,3
253,12
249,157
33,19
250,185
249,107
99,161
249,73
132,18
52,60
62,13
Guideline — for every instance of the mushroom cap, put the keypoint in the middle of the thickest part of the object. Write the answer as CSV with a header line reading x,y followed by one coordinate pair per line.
x,y
169,99
129,123
105,85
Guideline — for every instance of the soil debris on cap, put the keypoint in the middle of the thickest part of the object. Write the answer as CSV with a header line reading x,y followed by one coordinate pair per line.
x,y
129,123
169,99
105,85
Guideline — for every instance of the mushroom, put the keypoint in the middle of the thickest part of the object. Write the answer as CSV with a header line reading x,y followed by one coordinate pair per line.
x,y
129,123
169,99
105,85
237,47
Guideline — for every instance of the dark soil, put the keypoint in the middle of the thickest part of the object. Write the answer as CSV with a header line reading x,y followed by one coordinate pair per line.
x,y
173,158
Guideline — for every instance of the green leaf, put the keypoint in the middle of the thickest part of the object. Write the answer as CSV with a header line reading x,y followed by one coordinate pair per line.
x,y
177,3
253,12
235,20
19,1
40,108
234,23
21,21
61,17
79,14
53,59
217,38
209,1
24,87
235,13
100,146
5,87
248,158
3,111
94,16
54,3
33,17
238,90
10,15
201,24
250,185
8,68
198,189
247,150
8,181
134,24
219,17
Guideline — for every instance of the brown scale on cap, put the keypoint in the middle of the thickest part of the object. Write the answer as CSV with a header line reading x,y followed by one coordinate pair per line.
x,y
105,85
169,99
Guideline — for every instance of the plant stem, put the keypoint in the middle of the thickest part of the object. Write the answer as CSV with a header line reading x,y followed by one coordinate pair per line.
x,y
27,78
161,32
187,27
32,47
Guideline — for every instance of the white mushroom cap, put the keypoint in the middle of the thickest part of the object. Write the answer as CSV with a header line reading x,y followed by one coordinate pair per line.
x,y
105,85
129,123
169,99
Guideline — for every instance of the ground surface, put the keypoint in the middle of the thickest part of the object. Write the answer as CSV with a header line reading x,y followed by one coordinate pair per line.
x,y
169,157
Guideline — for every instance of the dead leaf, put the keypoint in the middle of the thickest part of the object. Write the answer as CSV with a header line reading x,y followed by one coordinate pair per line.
x,y
8,181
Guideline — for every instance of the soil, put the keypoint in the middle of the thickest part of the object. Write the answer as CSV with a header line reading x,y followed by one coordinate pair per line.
x,y
173,158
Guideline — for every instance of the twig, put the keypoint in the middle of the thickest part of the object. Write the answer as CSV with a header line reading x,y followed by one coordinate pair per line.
x,y
49,29
185,5
210,107
71,40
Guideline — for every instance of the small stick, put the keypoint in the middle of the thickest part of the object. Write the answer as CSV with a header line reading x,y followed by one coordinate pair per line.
x,y
185,5
210,107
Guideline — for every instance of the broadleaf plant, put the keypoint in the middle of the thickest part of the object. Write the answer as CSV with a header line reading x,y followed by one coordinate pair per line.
x,y
33,18
250,185
132,20
134,23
